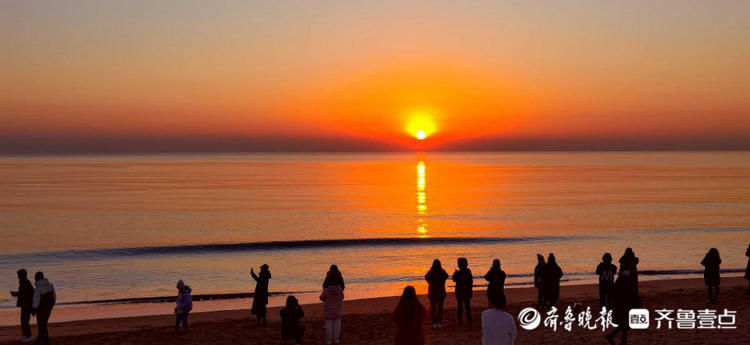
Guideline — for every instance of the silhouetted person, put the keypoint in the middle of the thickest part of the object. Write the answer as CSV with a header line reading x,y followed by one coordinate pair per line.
x,y
606,272
333,298
260,297
408,317
184,305
629,269
290,321
552,275
464,289
747,269
334,277
539,280
623,299
498,327
43,302
495,278
24,300
711,276
436,278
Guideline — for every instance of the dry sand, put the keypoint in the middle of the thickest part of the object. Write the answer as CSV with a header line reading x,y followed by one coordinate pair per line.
x,y
369,321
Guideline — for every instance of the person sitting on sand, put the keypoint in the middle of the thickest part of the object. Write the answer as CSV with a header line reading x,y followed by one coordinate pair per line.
x,y
552,275
408,316
711,276
184,305
333,298
334,277
747,269
495,278
623,299
24,300
606,272
498,327
290,321
41,306
464,289
260,297
436,278
629,269
539,281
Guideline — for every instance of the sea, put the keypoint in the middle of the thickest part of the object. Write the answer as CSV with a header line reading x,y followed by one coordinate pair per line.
x,y
122,229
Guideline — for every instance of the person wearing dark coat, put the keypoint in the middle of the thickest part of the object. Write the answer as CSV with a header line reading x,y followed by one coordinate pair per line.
x,y
334,277
747,269
606,272
436,278
552,275
260,297
291,316
539,280
712,262
629,269
184,305
495,278
464,289
623,299
43,302
408,317
24,300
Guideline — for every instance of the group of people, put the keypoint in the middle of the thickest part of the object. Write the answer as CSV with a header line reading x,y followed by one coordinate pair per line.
x,y
618,294
547,276
292,313
34,300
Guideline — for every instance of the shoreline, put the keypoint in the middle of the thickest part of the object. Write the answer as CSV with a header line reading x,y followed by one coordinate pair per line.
x,y
382,307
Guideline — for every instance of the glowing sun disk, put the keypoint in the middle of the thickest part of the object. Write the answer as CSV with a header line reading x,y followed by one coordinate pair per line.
x,y
420,125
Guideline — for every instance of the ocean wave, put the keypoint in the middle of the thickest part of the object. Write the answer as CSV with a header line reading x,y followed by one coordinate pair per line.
x,y
170,299
88,254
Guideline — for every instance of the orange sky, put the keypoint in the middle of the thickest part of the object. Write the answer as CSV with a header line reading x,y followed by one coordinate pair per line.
x,y
577,71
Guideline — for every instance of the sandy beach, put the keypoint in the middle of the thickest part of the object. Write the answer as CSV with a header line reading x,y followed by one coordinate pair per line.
x,y
368,321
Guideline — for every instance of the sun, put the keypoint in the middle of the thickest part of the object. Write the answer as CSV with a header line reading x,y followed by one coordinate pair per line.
x,y
420,124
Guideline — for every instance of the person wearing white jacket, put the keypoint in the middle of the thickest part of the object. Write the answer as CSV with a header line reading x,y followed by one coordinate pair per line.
x,y
332,298
44,301
498,327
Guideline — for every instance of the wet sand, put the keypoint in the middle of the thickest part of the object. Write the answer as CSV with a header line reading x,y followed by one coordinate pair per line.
x,y
369,321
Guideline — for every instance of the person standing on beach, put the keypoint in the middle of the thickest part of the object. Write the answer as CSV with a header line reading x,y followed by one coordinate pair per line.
x,y
539,280
291,315
498,327
408,316
334,277
552,275
43,302
629,269
436,278
747,269
606,272
711,276
333,298
260,297
623,299
495,278
464,289
24,300
184,305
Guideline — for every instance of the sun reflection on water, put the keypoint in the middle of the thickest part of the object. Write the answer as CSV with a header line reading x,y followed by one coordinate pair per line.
x,y
421,200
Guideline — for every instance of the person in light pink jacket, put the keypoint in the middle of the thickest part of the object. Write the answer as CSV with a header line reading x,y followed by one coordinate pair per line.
x,y
332,297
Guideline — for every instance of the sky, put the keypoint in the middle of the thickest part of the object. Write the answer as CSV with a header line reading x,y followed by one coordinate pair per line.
x,y
164,76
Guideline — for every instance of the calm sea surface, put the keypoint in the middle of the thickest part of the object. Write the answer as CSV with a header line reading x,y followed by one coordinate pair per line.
x,y
109,227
